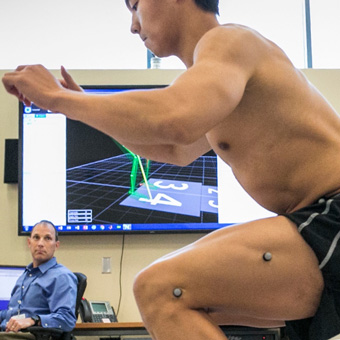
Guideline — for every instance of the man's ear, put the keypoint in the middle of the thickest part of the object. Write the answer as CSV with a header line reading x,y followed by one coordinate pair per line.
x,y
57,244
28,241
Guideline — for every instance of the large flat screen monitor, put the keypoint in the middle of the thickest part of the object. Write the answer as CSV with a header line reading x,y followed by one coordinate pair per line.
x,y
9,275
85,182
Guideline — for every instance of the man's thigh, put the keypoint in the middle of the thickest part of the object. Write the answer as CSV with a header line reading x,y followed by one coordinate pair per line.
x,y
225,272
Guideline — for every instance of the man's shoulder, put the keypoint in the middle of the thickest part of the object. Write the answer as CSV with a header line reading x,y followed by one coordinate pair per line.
x,y
62,274
60,270
234,40
232,33
64,270
233,47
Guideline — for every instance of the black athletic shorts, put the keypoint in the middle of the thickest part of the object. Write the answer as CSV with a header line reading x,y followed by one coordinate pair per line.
x,y
319,225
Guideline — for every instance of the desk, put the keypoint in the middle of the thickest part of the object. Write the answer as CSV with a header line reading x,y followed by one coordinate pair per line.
x,y
110,329
136,329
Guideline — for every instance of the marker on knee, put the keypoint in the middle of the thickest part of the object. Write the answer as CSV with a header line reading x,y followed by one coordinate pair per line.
x,y
177,292
267,256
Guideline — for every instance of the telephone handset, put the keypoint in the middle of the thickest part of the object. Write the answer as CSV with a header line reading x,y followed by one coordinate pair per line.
x,y
96,311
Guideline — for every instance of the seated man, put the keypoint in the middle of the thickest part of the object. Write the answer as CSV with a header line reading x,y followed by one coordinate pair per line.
x,y
45,294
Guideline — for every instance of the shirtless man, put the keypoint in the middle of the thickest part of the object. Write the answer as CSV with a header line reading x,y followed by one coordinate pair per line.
x,y
242,97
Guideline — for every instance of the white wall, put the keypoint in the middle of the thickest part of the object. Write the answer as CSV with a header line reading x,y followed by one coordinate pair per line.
x,y
84,253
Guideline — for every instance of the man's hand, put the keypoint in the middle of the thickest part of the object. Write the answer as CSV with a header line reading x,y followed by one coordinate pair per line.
x,y
15,325
34,83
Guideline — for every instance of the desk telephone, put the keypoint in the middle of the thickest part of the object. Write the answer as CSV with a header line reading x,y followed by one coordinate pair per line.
x,y
96,311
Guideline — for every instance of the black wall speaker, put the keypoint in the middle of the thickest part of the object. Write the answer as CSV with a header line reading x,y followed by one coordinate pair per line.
x,y
11,161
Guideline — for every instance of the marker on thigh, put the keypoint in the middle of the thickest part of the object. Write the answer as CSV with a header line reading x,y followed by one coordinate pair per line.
x,y
177,292
267,256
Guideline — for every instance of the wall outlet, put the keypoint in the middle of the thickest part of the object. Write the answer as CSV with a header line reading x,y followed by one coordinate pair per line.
x,y
106,265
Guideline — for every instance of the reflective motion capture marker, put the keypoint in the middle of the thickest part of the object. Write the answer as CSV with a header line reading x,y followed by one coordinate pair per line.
x,y
177,292
267,256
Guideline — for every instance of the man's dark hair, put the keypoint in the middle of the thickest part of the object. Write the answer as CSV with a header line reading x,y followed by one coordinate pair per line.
x,y
50,223
208,5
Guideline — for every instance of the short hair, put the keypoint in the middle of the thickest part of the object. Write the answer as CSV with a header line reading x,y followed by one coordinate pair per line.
x,y
50,223
208,5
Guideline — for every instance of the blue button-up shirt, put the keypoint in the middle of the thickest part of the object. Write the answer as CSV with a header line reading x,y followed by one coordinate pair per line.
x,y
48,291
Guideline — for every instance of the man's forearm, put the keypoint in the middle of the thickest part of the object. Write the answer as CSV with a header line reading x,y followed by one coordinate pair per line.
x,y
64,320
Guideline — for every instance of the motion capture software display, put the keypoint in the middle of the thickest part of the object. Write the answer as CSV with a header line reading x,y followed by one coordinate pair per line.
x,y
8,277
85,182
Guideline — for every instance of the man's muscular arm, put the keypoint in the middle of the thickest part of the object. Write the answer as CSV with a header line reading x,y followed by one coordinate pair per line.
x,y
180,114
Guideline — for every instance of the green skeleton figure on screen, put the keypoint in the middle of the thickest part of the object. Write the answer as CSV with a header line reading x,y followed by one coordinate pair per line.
x,y
136,161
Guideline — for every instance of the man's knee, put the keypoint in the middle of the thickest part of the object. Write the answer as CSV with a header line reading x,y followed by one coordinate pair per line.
x,y
149,283
154,288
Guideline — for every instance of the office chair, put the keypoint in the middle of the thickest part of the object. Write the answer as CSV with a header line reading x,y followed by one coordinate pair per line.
x,y
42,333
